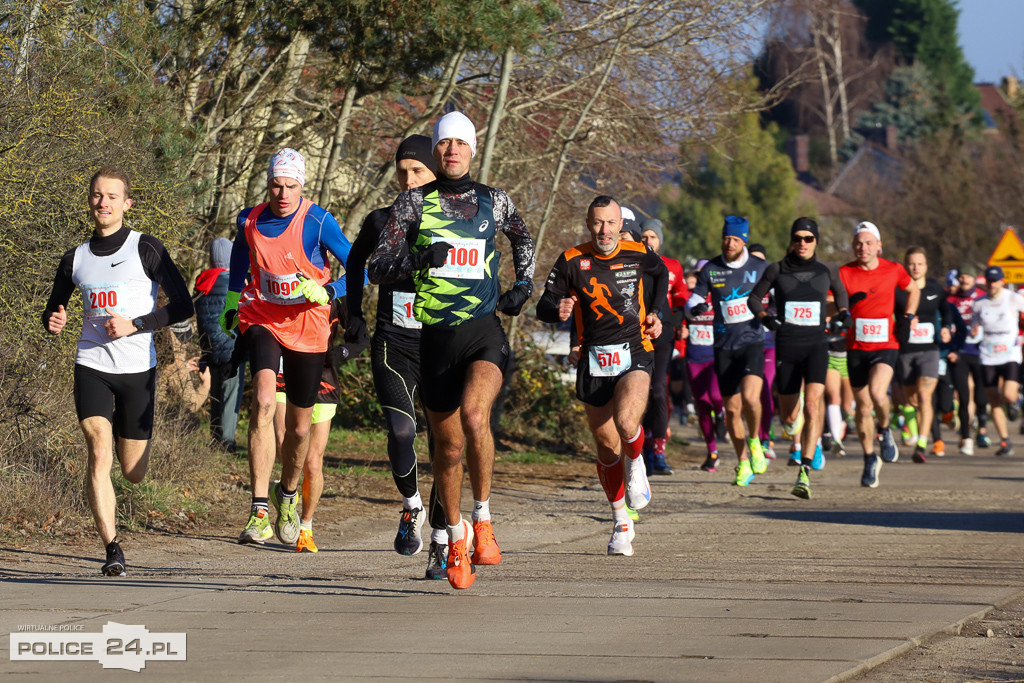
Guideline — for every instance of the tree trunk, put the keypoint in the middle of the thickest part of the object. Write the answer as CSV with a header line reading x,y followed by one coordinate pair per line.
x,y
26,41
496,113
344,116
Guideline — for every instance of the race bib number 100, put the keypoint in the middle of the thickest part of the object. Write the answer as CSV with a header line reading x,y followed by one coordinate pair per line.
x,y
465,259
609,361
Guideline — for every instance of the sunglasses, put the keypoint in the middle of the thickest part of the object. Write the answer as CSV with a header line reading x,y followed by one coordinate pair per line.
x,y
806,239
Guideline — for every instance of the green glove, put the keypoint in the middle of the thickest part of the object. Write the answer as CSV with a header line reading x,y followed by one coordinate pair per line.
x,y
229,316
312,291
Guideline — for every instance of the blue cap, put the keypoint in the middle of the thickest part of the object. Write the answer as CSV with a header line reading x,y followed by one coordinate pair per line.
x,y
993,273
736,226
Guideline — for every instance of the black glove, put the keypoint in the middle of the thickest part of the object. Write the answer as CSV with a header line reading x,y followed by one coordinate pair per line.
x,y
356,332
771,322
512,301
700,309
857,297
841,322
433,256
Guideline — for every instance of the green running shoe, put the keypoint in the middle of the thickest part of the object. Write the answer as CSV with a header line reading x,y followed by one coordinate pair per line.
x,y
287,524
744,475
758,463
802,489
257,530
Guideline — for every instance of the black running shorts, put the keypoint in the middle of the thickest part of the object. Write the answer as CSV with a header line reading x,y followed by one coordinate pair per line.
x,y
447,352
859,364
1008,372
795,365
126,401
598,391
301,370
732,365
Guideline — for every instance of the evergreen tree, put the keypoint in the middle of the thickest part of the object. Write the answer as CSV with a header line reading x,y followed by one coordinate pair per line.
x,y
746,176
925,32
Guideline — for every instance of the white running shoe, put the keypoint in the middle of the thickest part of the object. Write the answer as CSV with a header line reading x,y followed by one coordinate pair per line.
x,y
621,542
638,489
967,446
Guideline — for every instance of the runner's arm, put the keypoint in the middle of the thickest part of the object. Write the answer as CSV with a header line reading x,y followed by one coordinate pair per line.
x,y
839,294
524,249
158,266
762,287
556,289
656,268
366,240
913,298
63,286
239,267
390,261
333,239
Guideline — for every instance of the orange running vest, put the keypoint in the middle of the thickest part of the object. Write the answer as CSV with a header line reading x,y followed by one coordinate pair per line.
x,y
272,299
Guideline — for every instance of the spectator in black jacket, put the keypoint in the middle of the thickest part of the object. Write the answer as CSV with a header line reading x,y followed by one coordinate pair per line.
x,y
227,375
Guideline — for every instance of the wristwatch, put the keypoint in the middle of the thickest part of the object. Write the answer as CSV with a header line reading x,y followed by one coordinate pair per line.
x,y
140,324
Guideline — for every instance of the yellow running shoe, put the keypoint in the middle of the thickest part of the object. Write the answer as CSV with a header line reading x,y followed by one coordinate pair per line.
x,y
305,542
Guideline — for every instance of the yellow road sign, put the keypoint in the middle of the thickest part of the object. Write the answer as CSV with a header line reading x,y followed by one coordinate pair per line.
x,y
1009,255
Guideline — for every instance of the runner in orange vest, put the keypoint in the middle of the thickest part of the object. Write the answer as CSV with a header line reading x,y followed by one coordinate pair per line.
x,y
283,312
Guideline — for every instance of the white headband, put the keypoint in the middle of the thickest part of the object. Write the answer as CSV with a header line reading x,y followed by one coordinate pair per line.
x,y
287,164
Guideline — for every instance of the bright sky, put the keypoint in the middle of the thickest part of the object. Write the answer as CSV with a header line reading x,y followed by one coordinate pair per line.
x,y
992,38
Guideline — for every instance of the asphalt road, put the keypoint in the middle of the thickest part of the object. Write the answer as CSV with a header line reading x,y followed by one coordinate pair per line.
x,y
727,584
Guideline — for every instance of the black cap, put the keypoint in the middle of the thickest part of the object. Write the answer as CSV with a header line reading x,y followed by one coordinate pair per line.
x,y
417,147
804,224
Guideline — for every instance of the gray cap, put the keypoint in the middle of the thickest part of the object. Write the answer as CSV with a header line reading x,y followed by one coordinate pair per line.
x,y
220,252
655,226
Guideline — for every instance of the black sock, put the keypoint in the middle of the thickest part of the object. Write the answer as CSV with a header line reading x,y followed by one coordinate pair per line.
x,y
285,493
806,462
260,504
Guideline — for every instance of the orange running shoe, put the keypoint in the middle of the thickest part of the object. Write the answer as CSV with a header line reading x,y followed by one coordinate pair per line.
x,y
486,550
461,572
939,448
305,542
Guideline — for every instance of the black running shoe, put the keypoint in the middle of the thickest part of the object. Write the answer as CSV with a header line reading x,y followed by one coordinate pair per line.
x,y
919,456
115,565
1005,448
710,463
437,561
720,429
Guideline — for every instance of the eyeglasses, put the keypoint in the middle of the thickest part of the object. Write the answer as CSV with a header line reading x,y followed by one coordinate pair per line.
x,y
806,239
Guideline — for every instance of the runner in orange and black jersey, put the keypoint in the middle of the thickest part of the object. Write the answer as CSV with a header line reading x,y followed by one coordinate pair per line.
x,y
610,291
600,283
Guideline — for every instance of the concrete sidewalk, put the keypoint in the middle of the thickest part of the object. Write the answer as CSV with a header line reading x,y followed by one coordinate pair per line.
x,y
727,584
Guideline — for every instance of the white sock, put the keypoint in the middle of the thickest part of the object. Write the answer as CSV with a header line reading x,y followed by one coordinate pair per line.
x,y
412,503
482,510
835,421
439,536
619,515
308,526
456,532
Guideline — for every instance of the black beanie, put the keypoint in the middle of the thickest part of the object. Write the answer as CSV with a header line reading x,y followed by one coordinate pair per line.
x,y
804,224
417,147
